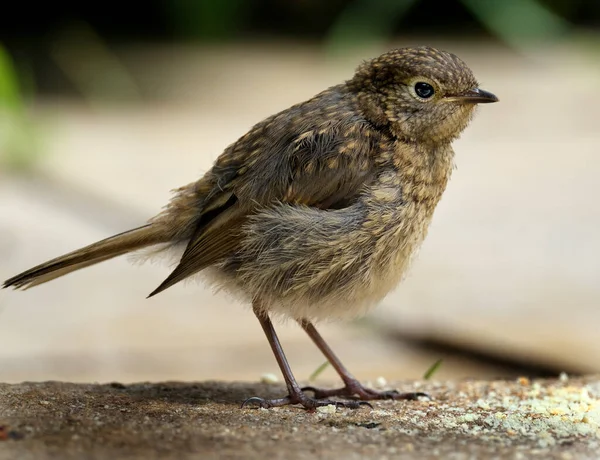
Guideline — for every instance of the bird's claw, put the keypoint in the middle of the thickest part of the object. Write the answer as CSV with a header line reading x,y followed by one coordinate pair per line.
x,y
359,392
305,401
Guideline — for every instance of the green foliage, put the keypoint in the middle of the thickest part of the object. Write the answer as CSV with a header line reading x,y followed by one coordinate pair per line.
x,y
207,19
10,96
518,23
365,22
318,371
18,140
433,369
92,67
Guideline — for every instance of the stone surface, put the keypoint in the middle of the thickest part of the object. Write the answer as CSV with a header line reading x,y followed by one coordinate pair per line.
x,y
464,420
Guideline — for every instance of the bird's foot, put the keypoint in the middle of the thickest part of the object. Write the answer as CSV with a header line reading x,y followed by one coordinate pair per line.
x,y
304,400
355,390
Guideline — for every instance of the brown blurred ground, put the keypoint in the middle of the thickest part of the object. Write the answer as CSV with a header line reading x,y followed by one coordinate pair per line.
x,y
465,420
510,266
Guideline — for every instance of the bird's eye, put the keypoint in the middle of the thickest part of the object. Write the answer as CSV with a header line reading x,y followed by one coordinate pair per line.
x,y
424,90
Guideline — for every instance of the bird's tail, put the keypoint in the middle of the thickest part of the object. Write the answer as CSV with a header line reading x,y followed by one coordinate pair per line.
x,y
138,238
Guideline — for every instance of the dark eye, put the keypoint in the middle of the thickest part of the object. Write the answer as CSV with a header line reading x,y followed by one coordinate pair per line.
x,y
424,90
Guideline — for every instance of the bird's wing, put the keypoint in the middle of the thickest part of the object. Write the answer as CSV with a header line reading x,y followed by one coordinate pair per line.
x,y
324,168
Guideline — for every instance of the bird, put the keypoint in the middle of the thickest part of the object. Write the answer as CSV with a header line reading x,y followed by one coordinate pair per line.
x,y
317,211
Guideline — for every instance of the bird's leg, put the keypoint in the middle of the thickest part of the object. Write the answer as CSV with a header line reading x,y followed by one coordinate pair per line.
x,y
352,387
295,393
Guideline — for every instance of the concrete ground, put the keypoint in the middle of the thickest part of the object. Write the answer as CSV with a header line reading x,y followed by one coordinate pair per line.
x,y
463,420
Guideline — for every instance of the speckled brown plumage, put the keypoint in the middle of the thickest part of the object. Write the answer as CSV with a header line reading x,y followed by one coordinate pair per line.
x,y
316,212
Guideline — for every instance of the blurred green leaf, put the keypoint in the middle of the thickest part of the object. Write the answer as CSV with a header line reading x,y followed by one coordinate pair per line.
x,y
208,19
89,63
318,371
367,21
518,22
18,140
433,369
10,96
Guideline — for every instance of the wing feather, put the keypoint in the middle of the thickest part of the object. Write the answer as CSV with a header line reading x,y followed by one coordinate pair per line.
x,y
325,167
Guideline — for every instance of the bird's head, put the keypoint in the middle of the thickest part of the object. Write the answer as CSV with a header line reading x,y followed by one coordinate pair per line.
x,y
421,94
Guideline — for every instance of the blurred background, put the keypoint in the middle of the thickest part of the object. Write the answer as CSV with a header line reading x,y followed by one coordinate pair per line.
x,y
104,109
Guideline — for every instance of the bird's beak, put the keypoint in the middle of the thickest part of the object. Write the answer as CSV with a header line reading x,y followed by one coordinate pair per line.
x,y
474,96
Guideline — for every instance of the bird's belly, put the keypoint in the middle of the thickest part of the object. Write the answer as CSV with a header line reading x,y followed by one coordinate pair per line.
x,y
340,280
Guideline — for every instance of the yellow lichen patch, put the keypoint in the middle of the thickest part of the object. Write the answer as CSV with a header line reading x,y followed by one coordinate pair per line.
x,y
545,414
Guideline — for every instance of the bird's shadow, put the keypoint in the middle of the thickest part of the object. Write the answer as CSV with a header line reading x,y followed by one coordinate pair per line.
x,y
197,393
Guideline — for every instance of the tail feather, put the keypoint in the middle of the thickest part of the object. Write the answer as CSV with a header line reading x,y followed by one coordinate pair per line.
x,y
100,251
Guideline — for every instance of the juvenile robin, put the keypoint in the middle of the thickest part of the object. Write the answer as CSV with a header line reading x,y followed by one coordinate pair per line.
x,y
315,212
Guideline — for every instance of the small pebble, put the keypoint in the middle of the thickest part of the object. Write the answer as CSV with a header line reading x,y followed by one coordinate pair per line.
x,y
380,382
270,379
329,409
